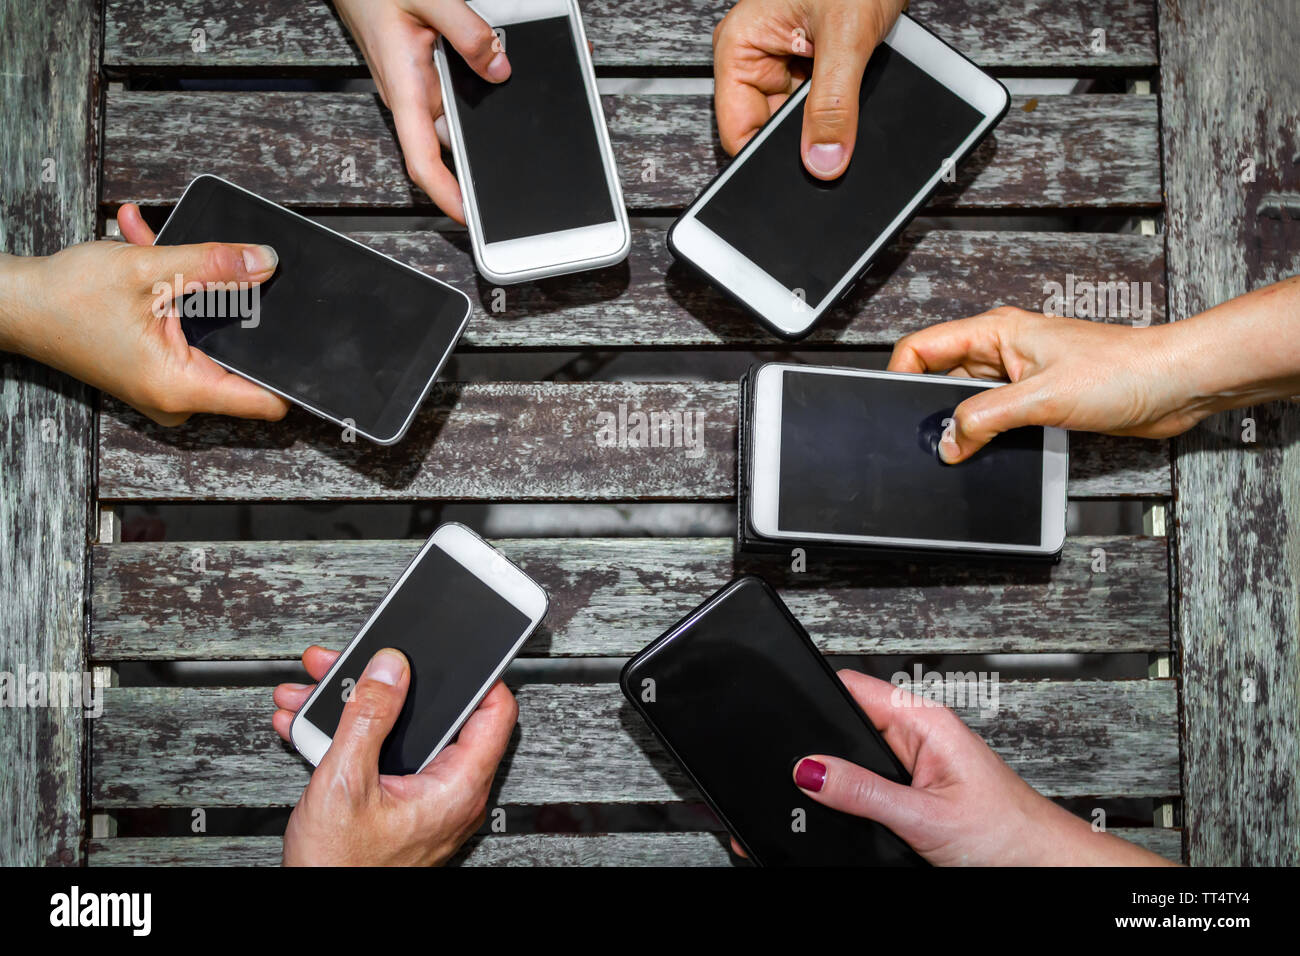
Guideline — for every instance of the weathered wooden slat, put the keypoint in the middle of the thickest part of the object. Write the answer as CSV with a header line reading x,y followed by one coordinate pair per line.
x,y
48,99
498,442
286,34
1085,151
551,849
1229,83
612,596
653,302
582,743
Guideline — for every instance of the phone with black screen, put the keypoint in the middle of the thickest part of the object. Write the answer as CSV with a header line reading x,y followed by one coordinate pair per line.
x,y
786,245
850,457
460,612
738,693
346,332
533,156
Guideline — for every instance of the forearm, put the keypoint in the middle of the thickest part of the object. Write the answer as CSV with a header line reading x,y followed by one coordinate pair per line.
x,y
1071,841
1243,352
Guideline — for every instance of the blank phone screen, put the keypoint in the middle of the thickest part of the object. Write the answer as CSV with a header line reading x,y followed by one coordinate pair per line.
x,y
859,455
808,234
454,630
339,327
740,695
534,153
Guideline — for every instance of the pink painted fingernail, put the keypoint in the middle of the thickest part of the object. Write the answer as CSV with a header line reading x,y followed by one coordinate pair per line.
x,y
810,774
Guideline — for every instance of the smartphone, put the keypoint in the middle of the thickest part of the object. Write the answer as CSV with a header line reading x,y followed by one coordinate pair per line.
x,y
786,245
347,333
460,612
738,694
851,456
541,191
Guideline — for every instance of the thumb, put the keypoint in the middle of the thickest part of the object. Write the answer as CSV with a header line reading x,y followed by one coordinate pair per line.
x,y
370,713
844,38
216,262
849,788
984,416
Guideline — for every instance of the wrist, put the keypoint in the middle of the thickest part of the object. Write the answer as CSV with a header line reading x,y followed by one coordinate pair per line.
x,y
18,286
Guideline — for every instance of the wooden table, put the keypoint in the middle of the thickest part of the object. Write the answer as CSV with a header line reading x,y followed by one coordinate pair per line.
x,y
1151,179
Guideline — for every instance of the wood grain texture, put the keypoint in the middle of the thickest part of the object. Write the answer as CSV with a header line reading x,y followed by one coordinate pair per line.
x,y
1066,152
651,301
48,95
597,849
1232,97
612,596
583,743
497,442
286,34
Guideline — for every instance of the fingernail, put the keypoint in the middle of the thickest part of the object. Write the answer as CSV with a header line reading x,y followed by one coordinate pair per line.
x,y
386,667
499,68
825,158
294,686
810,774
948,450
259,259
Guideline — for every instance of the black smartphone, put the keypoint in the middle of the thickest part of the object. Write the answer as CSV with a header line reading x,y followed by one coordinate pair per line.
x,y
347,333
738,693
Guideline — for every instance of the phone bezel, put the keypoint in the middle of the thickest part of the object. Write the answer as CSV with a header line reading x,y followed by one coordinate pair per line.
x,y
765,479
301,403
784,311
487,564
684,626
551,253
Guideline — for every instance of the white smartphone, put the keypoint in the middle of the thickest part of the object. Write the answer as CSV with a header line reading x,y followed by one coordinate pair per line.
x,y
851,456
787,246
460,612
349,334
536,169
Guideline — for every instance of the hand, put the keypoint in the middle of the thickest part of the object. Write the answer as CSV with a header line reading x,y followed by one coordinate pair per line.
x,y
965,805
760,54
1152,382
352,815
95,311
397,39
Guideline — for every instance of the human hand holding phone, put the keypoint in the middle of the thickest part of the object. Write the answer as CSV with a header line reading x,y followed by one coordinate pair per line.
x,y
1151,382
352,815
760,54
965,806
397,39
95,311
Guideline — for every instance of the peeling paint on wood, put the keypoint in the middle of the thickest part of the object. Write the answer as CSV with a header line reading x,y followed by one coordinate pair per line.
x,y
550,849
291,33
612,596
48,98
495,442
1072,152
650,301
1232,105
583,743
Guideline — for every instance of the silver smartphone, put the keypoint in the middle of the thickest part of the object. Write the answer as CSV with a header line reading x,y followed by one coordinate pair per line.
x,y
460,612
533,156
850,456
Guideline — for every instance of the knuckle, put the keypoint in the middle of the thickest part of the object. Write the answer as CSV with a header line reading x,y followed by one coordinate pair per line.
x,y
831,112
479,39
369,700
